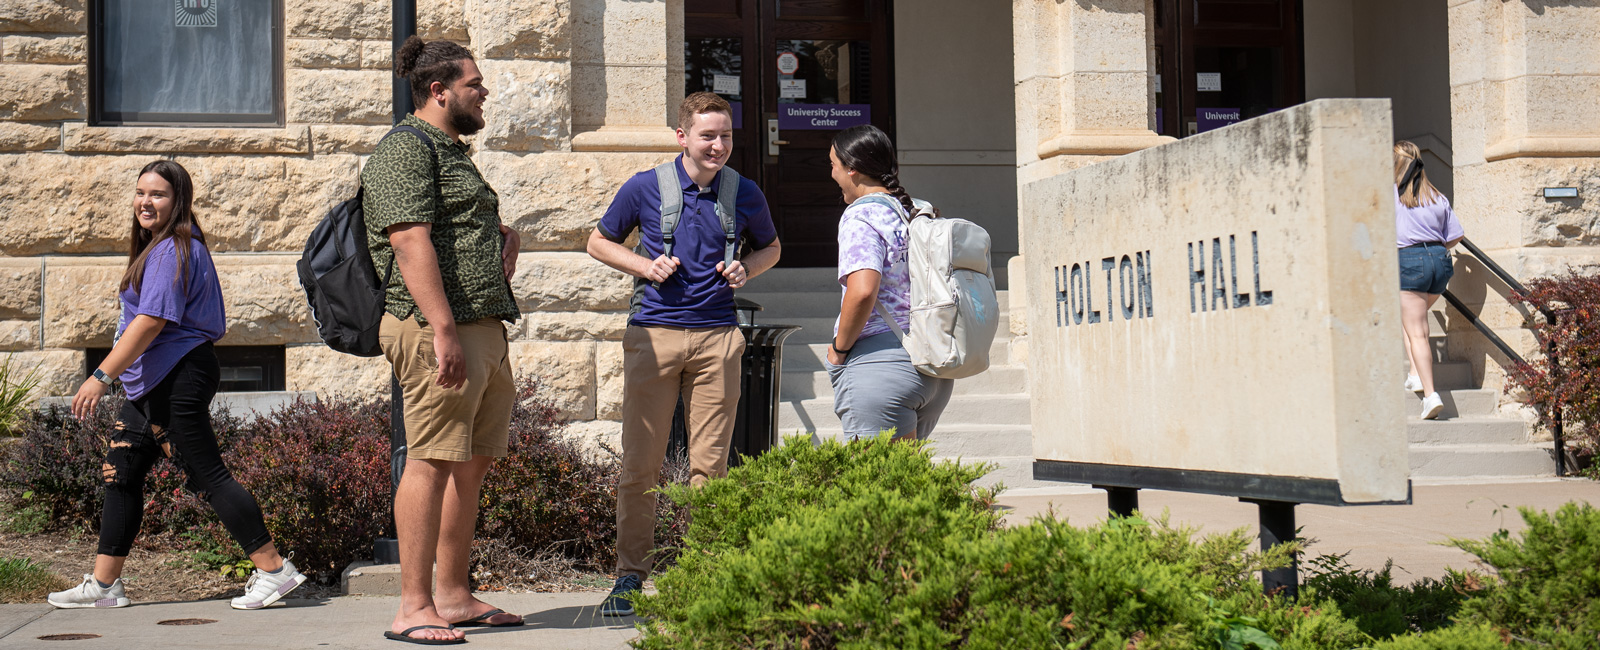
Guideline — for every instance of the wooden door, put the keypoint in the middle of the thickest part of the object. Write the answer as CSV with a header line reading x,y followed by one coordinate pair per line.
x,y
807,69
1223,61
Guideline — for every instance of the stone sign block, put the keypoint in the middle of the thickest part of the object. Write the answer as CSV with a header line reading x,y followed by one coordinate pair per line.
x,y
1221,314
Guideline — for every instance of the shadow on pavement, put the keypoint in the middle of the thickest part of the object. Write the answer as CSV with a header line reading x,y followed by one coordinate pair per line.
x,y
563,618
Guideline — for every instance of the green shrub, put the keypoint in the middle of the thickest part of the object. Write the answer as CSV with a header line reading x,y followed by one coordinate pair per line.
x,y
1547,585
15,389
1459,637
1381,608
872,544
23,516
24,581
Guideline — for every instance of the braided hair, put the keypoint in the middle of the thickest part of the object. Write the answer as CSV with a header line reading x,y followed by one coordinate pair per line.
x,y
869,151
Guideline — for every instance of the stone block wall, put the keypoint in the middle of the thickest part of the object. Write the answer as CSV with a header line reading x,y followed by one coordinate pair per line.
x,y
1524,80
259,191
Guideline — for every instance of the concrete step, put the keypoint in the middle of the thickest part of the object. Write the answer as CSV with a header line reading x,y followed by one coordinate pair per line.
x,y
967,440
1459,402
808,357
817,414
1014,472
1475,430
997,380
784,307
1448,375
1482,461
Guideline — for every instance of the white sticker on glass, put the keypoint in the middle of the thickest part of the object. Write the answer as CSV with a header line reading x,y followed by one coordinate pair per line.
x,y
792,89
725,84
1208,82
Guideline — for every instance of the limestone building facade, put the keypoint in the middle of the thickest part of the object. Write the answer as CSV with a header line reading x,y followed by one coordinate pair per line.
x,y
984,96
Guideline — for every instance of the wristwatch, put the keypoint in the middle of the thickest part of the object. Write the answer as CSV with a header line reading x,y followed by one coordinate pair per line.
x,y
103,378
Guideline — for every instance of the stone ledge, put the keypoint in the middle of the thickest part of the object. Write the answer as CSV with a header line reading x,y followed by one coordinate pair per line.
x,y
39,49
346,138
43,16
1101,143
77,137
366,578
23,136
627,138
1544,147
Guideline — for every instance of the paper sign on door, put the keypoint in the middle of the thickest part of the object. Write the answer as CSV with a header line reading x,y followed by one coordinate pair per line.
x,y
792,88
725,84
1208,82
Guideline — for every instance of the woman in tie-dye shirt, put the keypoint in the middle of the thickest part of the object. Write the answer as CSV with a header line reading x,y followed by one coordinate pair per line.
x,y
875,387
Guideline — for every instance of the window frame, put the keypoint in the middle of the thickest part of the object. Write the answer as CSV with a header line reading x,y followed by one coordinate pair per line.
x,y
100,117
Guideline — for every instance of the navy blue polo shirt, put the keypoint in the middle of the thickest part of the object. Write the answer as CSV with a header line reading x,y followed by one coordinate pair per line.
x,y
696,296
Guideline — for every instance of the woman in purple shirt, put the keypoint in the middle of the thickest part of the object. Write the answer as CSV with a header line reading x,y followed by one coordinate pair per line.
x,y
171,314
1426,228
875,386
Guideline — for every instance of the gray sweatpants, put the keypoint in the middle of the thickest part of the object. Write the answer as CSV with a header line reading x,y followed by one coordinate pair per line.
x,y
878,389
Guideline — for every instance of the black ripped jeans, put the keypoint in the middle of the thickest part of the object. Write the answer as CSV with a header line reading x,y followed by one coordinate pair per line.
x,y
174,420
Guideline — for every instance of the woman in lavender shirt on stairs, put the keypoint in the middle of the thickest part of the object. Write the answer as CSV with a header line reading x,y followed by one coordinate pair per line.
x,y
171,314
1426,229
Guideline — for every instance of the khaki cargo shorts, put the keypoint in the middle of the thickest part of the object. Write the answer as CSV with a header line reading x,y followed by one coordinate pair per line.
x,y
452,424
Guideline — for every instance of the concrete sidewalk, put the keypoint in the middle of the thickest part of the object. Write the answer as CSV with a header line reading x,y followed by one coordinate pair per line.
x,y
553,621
1409,534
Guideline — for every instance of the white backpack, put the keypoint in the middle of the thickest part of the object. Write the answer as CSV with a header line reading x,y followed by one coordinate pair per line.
x,y
954,309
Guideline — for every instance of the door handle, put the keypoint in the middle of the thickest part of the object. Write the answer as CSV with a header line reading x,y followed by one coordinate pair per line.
x,y
780,142
772,137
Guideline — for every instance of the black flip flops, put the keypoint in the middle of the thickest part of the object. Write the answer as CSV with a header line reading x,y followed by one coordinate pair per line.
x,y
406,636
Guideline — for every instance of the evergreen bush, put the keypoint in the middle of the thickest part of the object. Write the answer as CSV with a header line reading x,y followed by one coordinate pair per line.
x,y
872,544
1547,584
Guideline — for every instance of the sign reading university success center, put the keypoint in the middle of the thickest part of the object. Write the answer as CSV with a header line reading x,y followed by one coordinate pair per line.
x,y
1222,313
823,117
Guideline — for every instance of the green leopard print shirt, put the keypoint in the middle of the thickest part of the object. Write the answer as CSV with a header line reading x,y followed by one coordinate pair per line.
x,y
464,211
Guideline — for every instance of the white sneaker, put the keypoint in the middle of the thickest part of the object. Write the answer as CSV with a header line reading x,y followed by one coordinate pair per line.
x,y
90,594
266,588
1431,406
1414,383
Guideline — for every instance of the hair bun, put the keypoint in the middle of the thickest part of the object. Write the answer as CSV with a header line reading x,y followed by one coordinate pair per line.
x,y
405,60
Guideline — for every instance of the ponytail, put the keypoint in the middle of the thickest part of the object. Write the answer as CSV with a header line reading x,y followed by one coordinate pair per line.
x,y
869,151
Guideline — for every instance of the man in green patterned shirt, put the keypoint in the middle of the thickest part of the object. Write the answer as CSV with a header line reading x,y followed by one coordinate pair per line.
x,y
433,220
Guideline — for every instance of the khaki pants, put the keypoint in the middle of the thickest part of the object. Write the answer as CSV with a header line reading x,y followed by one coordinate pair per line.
x,y
658,363
452,424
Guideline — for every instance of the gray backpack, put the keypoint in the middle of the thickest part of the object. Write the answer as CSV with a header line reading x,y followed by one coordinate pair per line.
x,y
672,209
955,312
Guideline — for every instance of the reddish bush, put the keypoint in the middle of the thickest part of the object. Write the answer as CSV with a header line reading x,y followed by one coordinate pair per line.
x,y
320,471
1568,381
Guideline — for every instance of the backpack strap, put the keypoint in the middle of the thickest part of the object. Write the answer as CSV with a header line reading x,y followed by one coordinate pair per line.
x,y
671,203
899,334
728,212
432,152
886,200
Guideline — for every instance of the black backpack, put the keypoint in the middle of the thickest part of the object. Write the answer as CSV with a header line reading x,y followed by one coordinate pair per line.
x,y
345,292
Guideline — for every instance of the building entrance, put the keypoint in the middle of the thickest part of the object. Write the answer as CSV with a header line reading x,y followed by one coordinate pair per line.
x,y
1223,61
797,72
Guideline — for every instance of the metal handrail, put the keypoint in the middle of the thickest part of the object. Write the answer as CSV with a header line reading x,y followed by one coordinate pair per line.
x,y
1483,328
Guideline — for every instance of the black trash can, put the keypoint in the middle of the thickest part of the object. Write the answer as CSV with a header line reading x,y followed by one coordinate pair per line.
x,y
755,426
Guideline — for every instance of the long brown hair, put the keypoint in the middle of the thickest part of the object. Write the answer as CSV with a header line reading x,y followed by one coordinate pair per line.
x,y
181,227
1410,178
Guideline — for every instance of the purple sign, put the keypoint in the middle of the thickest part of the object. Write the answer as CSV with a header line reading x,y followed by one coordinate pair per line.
x,y
738,114
1207,119
823,117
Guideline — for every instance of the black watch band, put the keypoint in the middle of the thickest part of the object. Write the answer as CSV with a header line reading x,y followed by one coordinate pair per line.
x,y
841,352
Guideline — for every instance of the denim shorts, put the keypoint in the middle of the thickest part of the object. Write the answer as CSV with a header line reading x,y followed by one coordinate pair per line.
x,y
1425,268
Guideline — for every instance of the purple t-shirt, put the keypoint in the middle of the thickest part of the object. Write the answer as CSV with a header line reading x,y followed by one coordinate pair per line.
x,y
873,236
192,309
1424,223
696,296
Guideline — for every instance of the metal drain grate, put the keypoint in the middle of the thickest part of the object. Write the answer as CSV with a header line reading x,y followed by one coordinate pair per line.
x,y
68,637
186,621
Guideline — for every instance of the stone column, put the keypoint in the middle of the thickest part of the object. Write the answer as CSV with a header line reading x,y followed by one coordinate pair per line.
x,y
627,74
1524,79
1085,92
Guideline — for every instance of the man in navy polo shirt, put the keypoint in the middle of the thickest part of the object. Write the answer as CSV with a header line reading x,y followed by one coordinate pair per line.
x,y
682,335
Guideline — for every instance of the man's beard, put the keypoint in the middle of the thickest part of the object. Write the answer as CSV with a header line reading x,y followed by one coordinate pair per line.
x,y
462,119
